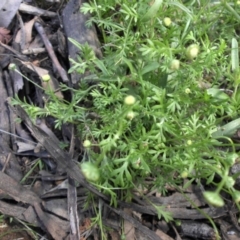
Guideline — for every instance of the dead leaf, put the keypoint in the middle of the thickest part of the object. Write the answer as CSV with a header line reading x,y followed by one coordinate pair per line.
x,y
52,84
129,230
57,227
5,37
28,28
86,225
163,235
12,232
114,235
25,34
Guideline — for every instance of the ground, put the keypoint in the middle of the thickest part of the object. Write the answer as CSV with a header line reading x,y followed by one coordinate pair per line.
x,y
43,192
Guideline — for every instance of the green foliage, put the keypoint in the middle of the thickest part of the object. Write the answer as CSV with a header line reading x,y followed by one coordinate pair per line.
x,y
172,130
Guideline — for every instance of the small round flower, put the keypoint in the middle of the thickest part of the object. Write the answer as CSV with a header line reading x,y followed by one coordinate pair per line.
x,y
116,136
129,100
192,51
167,21
184,174
46,78
213,198
12,66
177,222
131,115
136,163
189,142
231,158
187,91
87,144
175,64
229,183
90,171
236,196
219,166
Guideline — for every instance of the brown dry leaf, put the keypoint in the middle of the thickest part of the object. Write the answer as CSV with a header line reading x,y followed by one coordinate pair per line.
x,y
163,235
129,230
52,84
12,232
5,37
25,34
114,235
28,28
85,225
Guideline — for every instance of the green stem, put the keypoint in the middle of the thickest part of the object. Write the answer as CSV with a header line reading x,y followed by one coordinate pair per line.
x,y
221,184
201,211
227,5
29,80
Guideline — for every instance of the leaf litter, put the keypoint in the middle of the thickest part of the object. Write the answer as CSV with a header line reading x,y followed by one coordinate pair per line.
x,y
47,204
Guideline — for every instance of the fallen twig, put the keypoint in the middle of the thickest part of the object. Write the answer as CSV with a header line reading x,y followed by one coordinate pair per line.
x,y
51,53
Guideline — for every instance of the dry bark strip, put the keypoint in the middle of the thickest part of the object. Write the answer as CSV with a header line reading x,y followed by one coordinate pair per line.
x,y
29,215
12,167
9,181
62,158
146,231
177,212
178,200
78,31
22,213
72,209
21,194
16,190
198,230
53,224
65,164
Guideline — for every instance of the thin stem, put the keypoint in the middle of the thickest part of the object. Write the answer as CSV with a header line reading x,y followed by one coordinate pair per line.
x,y
227,5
